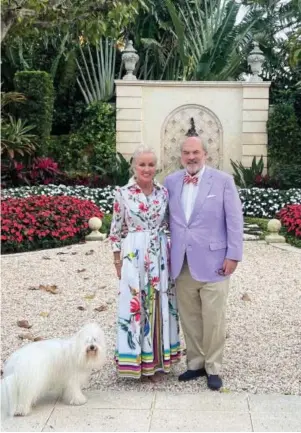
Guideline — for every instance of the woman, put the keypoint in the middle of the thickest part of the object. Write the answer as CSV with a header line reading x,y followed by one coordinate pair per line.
x,y
148,333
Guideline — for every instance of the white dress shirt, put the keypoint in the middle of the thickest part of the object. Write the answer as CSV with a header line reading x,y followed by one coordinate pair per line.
x,y
189,193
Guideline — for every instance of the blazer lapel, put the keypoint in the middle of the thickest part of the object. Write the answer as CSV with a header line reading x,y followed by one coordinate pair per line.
x,y
178,188
204,189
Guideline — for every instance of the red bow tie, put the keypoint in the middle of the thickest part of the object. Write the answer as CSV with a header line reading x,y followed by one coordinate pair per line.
x,y
190,179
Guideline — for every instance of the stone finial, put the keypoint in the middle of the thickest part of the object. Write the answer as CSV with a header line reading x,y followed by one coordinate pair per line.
x,y
192,131
130,59
274,227
95,235
255,61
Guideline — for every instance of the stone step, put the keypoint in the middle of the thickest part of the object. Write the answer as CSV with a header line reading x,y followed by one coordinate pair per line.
x,y
248,237
254,226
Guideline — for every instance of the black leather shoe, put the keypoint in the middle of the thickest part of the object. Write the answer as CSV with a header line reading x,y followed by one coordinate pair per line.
x,y
192,374
214,382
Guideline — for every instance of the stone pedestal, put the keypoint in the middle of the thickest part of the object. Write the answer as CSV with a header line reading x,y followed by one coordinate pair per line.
x,y
274,227
95,235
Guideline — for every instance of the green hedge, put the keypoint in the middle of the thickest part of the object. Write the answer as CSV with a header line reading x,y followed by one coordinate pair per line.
x,y
284,135
92,146
284,146
37,86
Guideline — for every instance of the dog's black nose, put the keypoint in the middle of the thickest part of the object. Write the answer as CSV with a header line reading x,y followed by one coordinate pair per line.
x,y
92,347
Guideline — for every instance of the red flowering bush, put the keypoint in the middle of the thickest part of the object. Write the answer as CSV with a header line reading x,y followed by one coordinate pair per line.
x,y
44,222
41,171
290,217
44,171
265,181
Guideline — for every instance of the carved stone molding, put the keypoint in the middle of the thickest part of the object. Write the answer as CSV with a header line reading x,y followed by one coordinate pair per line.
x,y
174,132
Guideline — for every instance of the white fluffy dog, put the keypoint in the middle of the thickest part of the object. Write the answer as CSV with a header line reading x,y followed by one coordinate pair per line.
x,y
63,365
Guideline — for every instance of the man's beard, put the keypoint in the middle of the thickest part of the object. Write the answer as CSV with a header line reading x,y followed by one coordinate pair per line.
x,y
193,168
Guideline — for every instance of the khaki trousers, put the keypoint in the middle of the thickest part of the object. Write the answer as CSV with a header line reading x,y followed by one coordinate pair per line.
x,y
202,309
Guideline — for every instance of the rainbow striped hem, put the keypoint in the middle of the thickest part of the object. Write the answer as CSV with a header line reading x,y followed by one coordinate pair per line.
x,y
135,366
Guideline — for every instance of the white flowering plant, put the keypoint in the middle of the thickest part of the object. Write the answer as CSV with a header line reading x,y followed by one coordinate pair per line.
x,y
265,203
256,202
102,197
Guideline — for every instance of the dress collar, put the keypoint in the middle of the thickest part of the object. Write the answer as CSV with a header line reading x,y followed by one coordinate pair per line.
x,y
132,183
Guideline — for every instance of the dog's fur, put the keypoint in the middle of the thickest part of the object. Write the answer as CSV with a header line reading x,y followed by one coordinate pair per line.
x,y
63,365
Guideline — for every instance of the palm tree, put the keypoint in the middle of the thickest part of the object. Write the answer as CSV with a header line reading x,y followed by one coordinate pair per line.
x,y
212,44
278,22
155,41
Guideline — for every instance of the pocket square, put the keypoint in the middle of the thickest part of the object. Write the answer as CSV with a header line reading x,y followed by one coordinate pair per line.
x,y
210,196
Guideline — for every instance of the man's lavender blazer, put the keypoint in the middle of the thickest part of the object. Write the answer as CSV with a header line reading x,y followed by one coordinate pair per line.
x,y
215,229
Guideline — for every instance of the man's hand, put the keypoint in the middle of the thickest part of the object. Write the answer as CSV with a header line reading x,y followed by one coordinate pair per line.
x,y
229,266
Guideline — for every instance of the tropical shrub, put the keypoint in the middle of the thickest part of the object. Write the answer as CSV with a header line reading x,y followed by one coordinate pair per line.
x,y
40,171
90,180
8,98
120,171
43,171
37,86
12,174
17,139
266,181
44,222
246,177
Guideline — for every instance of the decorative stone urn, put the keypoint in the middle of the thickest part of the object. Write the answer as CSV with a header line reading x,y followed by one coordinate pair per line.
x,y
130,59
255,61
95,225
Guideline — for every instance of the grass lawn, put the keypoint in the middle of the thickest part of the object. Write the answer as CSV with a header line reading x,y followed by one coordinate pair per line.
x,y
261,222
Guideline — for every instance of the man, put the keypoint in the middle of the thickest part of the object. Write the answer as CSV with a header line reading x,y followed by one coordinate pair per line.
x,y
206,225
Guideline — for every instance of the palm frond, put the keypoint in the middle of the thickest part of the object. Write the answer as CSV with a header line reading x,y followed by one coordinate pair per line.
x,y
96,80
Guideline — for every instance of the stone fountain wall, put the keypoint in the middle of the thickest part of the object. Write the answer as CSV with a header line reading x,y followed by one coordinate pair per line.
x,y
230,116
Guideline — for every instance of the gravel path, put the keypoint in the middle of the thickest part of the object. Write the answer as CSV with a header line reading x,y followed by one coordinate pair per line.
x,y
263,350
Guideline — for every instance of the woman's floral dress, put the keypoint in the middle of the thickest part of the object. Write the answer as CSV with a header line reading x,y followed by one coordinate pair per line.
x,y
148,331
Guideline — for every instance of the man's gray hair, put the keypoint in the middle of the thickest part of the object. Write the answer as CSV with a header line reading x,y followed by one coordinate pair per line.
x,y
141,150
202,140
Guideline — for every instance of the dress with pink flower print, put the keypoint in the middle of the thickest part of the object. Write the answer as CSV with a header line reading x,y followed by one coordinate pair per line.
x,y
148,327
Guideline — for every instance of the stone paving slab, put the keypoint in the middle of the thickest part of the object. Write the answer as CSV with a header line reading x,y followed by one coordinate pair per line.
x,y
273,422
198,421
162,411
285,247
92,420
33,422
275,403
204,401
